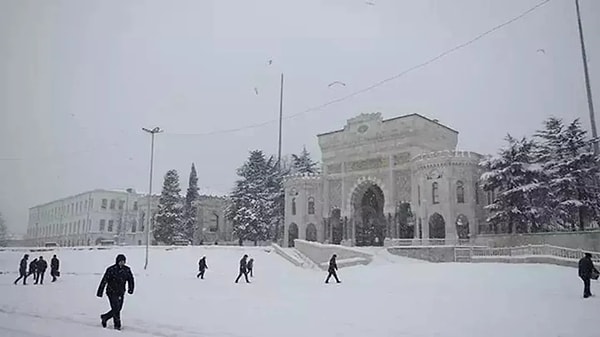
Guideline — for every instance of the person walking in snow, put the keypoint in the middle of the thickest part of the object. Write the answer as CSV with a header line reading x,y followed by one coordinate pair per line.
x,y
332,269
23,270
251,267
202,267
243,269
586,271
114,280
54,266
42,265
33,269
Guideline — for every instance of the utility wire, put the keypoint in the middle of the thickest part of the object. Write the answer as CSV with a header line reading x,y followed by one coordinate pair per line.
x,y
378,84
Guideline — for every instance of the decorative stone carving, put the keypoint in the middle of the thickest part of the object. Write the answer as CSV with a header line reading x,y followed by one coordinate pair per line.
x,y
335,193
334,168
434,174
401,158
403,184
367,164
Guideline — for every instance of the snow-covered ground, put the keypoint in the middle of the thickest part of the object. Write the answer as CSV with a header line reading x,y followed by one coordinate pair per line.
x,y
391,297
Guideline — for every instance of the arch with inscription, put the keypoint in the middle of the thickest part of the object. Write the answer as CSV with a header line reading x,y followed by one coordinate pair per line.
x,y
367,214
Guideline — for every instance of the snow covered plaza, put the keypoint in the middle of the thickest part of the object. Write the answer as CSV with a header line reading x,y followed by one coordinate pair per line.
x,y
392,296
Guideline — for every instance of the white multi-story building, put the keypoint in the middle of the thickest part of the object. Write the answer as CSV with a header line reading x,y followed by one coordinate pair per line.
x,y
91,218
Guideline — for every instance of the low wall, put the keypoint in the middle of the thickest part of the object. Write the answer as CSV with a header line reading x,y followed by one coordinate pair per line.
x,y
295,261
526,259
589,241
427,253
320,253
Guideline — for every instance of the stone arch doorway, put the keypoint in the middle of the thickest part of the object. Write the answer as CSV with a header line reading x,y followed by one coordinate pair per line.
x,y
462,227
311,232
369,222
292,234
437,226
337,227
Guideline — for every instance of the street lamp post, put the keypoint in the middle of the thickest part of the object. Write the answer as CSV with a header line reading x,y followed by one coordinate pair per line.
x,y
586,75
148,215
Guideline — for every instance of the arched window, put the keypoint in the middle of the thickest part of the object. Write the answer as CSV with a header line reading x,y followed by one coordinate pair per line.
x,y
460,192
293,206
435,194
311,205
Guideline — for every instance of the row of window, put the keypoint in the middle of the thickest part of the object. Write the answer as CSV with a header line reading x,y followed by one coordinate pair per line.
x,y
109,226
310,207
75,227
460,193
83,206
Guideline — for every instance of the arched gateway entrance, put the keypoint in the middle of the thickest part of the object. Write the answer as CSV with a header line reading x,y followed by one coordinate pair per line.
x,y
368,218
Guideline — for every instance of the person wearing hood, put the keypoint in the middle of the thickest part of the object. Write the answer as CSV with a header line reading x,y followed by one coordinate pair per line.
x,y
586,273
243,269
23,270
202,267
114,280
251,267
332,269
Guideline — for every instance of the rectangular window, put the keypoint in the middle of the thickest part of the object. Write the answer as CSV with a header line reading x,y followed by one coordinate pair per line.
x,y
104,203
135,205
110,225
121,204
112,204
102,225
91,203
85,205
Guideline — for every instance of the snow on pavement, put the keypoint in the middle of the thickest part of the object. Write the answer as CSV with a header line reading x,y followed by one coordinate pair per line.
x,y
387,298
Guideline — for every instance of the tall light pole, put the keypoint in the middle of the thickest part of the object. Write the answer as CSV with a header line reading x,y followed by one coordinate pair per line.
x,y
149,214
588,87
280,121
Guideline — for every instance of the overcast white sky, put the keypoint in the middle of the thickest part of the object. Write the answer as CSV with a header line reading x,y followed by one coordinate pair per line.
x,y
78,80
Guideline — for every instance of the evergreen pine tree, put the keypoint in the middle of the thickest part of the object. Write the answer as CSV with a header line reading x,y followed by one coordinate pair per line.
x,y
189,209
168,218
3,232
303,163
568,159
249,209
519,185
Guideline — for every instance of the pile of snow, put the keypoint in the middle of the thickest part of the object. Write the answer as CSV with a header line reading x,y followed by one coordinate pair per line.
x,y
380,299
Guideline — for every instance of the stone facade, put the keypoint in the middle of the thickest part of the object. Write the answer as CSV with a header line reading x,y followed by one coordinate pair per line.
x,y
213,226
370,169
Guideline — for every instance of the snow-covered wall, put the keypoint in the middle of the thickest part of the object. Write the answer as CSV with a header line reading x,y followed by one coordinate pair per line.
x,y
575,240
427,253
321,253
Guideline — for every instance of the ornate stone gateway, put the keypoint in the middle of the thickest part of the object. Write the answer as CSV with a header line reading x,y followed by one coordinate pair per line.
x,y
368,218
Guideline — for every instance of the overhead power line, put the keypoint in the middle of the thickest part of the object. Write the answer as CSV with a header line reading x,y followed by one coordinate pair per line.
x,y
377,84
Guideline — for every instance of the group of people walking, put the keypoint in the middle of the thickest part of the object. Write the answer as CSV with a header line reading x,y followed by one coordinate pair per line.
x,y
37,268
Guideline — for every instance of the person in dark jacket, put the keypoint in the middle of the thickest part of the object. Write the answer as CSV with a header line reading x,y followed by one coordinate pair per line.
x,y
23,270
33,269
54,268
42,265
114,280
202,267
251,267
243,269
586,268
332,269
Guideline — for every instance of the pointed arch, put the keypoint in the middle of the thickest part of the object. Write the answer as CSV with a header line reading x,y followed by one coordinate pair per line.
x,y
460,192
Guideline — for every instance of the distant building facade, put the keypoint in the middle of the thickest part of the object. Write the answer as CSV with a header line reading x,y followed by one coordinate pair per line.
x,y
213,226
115,217
375,169
90,218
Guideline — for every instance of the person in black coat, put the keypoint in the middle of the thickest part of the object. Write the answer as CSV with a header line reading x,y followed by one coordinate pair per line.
x,y
202,267
243,269
42,265
586,268
23,270
332,269
54,268
114,280
251,267
33,269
